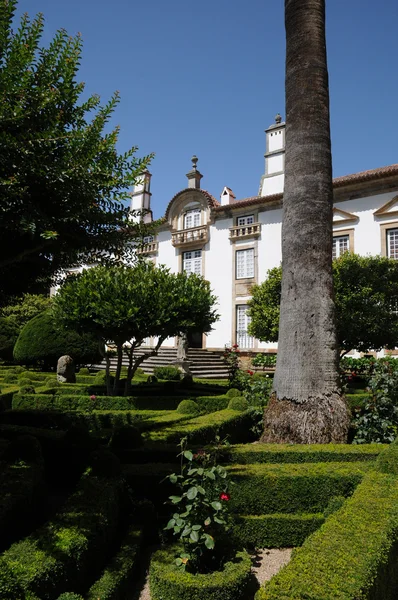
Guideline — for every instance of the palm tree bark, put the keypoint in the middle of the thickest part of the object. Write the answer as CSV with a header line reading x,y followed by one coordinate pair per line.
x,y
307,405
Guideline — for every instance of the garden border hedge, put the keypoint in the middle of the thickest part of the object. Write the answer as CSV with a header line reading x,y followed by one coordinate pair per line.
x,y
168,582
276,530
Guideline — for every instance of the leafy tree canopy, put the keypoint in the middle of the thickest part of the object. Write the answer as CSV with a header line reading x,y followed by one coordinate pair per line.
x,y
125,305
366,295
62,182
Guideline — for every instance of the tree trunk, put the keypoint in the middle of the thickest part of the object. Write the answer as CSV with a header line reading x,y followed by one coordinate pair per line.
x,y
307,405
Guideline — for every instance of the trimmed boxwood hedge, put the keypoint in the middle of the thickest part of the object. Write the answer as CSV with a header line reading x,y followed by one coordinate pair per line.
x,y
168,582
116,580
66,551
302,453
275,530
353,555
291,488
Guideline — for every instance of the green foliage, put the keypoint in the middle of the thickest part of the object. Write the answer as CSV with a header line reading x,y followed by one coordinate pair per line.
x,y
275,530
71,544
188,407
84,371
238,403
232,362
26,389
125,305
42,342
70,596
126,437
292,488
169,373
377,421
10,378
366,289
352,556
169,582
233,393
334,505
104,463
264,360
202,515
257,390
116,580
63,181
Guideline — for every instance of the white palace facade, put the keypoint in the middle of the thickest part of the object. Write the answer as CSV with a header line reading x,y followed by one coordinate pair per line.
x,y
233,243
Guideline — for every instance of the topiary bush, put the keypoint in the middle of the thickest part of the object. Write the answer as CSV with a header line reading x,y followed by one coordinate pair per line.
x,y
168,373
238,403
27,389
233,393
188,407
41,342
126,437
24,381
84,371
10,378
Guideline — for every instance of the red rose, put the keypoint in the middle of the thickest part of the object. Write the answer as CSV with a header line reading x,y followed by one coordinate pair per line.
x,y
93,397
250,372
224,496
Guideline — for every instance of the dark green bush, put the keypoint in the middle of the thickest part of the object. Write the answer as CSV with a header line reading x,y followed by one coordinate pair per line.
x,y
24,448
168,373
41,342
24,380
353,555
238,403
73,545
10,378
169,582
126,437
188,407
117,579
233,393
84,371
334,505
70,596
152,379
27,389
104,463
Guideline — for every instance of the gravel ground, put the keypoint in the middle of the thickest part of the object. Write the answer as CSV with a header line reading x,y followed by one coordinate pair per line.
x,y
266,564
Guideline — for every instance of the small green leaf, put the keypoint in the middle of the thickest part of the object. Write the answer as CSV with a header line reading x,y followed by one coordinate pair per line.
x,y
194,536
192,493
175,499
208,521
201,490
173,478
216,505
196,527
170,524
188,455
220,521
210,474
209,542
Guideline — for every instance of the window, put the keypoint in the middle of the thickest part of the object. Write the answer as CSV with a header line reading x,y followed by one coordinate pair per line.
x,y
242,221
192,262
192,218
243,339
341,244
244,263
392,243
148,239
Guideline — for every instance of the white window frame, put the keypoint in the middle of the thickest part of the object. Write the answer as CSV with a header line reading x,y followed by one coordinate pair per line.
x,y
245,220
339,246
392,243
243,339
192,218
244,264
192,262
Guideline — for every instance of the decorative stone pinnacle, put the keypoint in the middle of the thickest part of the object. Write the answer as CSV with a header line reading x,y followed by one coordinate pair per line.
x,y
194,160
278,118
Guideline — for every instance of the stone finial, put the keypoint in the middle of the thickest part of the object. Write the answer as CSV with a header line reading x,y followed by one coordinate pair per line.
x,y
194,176
278,118
194,160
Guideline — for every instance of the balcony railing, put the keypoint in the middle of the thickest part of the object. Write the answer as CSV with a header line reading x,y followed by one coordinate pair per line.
x,y
187,237
245,231
150,248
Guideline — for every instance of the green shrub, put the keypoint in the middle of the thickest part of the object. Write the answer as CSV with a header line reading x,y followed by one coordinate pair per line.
x,y
104,463
41,342
70,596
126,437
168,373
334,505
238,403
264,360
169,582
353,555
116,580
84,371
10,378
72,546
139,372
188,407
152,379
9,586
276,530
27,389
233,393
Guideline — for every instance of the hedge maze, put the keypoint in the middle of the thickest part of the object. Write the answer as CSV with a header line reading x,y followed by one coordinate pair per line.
x,y
81,493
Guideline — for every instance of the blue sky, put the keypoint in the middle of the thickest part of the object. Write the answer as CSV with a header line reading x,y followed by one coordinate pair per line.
x,y
207,78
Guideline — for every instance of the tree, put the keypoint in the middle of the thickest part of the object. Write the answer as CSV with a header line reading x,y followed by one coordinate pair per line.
x,y
306,405
14,316
124,305
63,183
366,292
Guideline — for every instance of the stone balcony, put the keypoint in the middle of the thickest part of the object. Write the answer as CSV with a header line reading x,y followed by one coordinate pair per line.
x,y
190,237
148,249
245,231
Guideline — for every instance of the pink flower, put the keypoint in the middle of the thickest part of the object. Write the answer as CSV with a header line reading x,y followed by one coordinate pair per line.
x,y
235,346
93,398
224,496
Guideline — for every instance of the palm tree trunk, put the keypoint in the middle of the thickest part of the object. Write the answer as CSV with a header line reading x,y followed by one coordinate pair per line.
x,y
307,405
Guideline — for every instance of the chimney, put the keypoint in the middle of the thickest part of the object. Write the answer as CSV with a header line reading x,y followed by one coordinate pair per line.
x,y
141,198
272,182
194,176
227,196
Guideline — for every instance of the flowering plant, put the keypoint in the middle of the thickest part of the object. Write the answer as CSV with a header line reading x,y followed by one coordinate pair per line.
x,y
232,361
202,504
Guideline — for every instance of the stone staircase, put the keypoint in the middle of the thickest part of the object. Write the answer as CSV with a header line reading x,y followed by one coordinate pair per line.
x,y
204,364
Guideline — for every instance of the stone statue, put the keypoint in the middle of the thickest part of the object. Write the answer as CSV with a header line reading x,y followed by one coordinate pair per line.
x,y
66,370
